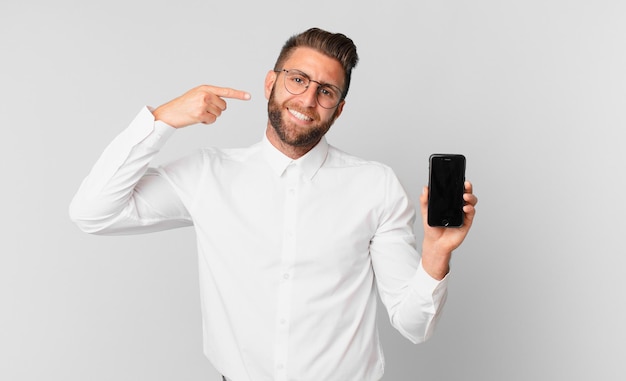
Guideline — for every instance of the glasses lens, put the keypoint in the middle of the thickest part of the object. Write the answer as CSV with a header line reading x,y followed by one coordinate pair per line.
x,y
295,82
328,97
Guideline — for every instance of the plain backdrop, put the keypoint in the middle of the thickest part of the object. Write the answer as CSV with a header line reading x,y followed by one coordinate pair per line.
x,y
532,92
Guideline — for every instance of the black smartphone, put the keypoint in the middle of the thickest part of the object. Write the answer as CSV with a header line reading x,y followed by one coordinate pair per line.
x,y
446,185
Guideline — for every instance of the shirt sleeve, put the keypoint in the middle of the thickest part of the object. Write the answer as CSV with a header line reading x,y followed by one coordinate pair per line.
x,y
122,194
414,300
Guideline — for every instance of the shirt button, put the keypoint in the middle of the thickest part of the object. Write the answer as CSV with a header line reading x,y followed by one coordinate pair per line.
x,y
286,276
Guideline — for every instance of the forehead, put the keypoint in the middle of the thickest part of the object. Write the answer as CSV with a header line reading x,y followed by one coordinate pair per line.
x,y
316,65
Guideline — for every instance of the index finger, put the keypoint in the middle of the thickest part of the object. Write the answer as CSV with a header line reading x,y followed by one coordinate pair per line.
x,y
227,92
469,195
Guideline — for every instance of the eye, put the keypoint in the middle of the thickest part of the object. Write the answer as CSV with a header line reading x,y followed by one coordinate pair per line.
x,y
328,92
298,79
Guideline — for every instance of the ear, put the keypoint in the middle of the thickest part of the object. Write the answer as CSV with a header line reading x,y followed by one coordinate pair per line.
x,y
339,109
270,79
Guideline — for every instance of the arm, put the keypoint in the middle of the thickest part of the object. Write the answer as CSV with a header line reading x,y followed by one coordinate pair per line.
x,y
413,297
121,194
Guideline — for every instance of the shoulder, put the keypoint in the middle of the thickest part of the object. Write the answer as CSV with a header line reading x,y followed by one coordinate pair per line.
x,y
375,176
213,154
201,159
338,158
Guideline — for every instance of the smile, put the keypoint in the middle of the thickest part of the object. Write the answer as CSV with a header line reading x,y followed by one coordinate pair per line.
x,y
300,116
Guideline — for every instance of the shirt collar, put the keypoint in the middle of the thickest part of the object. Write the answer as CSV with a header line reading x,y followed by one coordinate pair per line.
x,y
309,164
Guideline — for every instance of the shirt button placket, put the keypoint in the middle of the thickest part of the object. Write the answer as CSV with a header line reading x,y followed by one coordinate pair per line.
x,y
286,276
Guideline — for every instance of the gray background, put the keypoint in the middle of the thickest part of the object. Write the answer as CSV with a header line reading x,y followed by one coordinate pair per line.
x,y
532,92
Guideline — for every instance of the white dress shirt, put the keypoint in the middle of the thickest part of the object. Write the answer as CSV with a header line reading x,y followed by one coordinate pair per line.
x,y
291,252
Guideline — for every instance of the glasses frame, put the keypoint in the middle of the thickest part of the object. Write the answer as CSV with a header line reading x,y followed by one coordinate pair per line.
x,y
319,86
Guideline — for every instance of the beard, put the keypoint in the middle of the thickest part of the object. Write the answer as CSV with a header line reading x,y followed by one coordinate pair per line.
x,y
291,134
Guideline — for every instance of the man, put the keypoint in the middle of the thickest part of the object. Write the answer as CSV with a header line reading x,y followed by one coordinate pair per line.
x,y
294,236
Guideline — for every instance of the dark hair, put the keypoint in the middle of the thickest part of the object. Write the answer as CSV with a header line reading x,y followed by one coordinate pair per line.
x,y
334,45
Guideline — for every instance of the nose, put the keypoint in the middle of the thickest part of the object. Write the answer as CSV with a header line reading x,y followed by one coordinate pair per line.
x,y
309,97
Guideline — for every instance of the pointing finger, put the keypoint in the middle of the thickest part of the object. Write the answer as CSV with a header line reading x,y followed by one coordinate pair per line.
x,y
227,92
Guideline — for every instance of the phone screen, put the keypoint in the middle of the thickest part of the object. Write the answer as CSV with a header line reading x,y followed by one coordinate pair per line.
x,y
446,188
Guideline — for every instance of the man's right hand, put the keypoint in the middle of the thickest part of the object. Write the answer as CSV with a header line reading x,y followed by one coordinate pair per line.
x,y
202,104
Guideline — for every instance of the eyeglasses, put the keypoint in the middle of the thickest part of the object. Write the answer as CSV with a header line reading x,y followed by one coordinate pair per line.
x,y
296,82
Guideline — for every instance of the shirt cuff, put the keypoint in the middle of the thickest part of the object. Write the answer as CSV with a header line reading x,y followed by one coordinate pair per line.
x,y
423,281
151,133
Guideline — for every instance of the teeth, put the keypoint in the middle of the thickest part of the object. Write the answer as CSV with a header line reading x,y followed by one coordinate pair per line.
x,y
300,116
